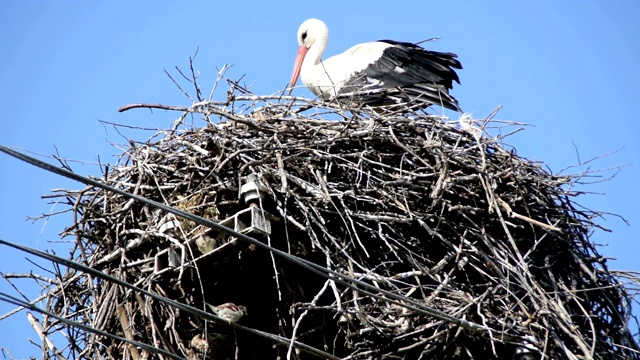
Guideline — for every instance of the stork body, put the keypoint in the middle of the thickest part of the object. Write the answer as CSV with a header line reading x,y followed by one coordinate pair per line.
x,y
375,73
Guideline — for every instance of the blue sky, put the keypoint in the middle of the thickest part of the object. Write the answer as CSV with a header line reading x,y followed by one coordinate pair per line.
x,y
570,69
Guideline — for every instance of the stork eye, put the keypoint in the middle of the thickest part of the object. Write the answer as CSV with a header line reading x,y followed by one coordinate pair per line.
x,y
304,36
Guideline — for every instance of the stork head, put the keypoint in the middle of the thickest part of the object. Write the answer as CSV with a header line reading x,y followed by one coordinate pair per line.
x,y
312,31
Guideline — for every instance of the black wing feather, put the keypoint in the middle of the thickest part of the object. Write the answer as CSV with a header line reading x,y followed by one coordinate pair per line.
x,y
427,77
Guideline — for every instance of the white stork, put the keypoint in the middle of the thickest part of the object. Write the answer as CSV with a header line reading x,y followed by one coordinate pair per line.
x,y
375,73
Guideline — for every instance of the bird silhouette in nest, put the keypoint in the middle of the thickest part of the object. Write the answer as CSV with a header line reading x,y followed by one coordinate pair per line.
x,y
228,311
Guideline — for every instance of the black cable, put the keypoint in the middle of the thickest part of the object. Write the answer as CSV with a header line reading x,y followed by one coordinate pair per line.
x,y
317,269
18,302
179,305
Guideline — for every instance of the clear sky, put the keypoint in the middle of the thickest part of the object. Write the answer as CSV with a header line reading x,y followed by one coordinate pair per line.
x,y
571,69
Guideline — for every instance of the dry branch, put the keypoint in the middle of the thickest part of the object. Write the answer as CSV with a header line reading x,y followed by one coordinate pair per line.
x,y
438,212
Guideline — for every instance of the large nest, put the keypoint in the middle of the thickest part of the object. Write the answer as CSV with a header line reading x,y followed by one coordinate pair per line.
x,y
488,249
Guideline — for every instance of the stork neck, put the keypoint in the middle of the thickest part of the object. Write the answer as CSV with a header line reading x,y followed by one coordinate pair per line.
x,y
316,50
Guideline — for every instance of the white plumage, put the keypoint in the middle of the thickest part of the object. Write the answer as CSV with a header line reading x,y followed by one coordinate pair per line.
x,y
375,73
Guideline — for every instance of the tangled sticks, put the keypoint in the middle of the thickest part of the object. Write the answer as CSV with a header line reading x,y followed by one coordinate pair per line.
x,y
442,244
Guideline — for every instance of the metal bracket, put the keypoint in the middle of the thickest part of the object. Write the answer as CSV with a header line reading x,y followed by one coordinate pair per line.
x,y
251,221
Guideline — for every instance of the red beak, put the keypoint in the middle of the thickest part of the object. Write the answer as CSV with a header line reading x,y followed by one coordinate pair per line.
x,y
302,52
